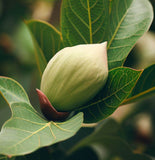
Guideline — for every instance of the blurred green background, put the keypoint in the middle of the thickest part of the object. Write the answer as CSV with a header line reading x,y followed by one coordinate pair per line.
x,y
18,62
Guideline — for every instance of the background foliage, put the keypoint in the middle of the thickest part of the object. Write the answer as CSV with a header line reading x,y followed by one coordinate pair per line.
x,y
18,61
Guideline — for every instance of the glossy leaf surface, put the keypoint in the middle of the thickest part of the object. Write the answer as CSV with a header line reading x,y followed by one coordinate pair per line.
x,y
145,85
26,130
118,87
84,21
126,26
93,22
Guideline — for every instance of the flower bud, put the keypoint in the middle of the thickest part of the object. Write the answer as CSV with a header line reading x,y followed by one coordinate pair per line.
x,y
75,75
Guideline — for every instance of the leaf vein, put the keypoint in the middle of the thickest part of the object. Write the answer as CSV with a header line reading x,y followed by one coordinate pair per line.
x,y
117,28
90,23
66,130
77,30
28,137
78,16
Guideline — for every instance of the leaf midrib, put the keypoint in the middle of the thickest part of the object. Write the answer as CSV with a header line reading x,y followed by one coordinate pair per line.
x,y
117,28
90,22
138,95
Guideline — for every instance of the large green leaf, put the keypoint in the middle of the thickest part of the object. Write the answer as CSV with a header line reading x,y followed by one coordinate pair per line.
x,y
26,131
84,21
107,139
126,26
145,85
92,21
47,41
118,87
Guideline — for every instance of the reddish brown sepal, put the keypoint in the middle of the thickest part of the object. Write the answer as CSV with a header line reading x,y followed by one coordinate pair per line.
x,y
48,110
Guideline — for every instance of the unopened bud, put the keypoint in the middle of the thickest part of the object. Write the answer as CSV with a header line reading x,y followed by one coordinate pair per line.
x,y
75,75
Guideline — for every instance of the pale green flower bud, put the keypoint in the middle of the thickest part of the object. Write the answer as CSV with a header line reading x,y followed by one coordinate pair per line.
x,y
75,75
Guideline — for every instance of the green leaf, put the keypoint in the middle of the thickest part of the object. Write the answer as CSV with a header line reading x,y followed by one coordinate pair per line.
x,y
93,22
47,41
144,87
26,131
118,87
107,139
84,21
126,26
